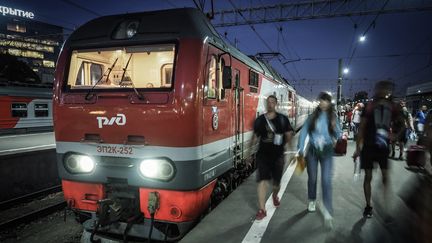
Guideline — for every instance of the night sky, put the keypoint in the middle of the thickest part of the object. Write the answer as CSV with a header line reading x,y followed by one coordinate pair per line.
x,y
322,41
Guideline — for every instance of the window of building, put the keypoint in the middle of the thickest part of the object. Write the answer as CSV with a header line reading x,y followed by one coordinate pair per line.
x,y
211,80
41,110
49,64
23,53
19,109
16,28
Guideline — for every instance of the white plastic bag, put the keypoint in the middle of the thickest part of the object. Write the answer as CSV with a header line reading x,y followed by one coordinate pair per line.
x,y
357,170
412,136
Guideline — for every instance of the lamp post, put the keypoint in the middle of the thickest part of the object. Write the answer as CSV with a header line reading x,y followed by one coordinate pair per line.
x,y
339,86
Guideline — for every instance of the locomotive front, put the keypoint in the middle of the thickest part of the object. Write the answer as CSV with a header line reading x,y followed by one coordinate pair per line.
x,y
126,119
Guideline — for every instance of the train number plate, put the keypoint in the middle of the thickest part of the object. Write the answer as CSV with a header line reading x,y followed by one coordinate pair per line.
x,y
110,149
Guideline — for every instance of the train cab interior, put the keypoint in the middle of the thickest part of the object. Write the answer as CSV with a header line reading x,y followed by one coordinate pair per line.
x,y
126,67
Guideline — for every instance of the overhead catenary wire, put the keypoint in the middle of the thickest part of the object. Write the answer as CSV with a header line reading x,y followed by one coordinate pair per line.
x,y
365,57
260,37
171,4
416,47
366,31
284,42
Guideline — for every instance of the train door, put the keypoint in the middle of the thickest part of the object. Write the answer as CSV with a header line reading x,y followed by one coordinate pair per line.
x,y
216,118
238,141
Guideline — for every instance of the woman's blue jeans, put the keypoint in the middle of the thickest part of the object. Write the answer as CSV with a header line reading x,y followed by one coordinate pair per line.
x,y
326,161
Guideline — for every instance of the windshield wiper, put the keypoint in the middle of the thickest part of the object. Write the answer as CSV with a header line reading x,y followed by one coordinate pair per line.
x,y
87,97
140,96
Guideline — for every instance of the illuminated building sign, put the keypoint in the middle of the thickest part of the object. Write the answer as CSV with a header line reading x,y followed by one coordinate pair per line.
x,y
16,12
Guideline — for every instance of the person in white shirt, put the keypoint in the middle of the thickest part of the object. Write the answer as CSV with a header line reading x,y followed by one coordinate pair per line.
x,y
355,119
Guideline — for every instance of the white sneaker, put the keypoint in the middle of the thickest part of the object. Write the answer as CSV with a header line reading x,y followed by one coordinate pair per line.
x,y
312,206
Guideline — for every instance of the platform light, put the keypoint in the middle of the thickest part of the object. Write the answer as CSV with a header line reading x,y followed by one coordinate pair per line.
x,y
78,163
159,169
346,71
362,38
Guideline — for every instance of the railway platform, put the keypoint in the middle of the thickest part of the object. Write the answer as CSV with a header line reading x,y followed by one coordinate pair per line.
x,y
234,219
27,164
19,143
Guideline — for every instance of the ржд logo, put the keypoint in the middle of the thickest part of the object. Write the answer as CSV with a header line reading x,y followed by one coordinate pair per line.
x,y
120,120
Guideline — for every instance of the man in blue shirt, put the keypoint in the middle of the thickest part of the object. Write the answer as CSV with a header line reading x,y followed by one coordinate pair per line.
x,y
421,119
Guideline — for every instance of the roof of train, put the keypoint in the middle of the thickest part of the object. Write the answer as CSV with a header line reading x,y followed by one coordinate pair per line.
x,y
163,25
43,92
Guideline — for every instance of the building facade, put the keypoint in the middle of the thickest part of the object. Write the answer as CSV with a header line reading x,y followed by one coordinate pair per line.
x,y
35,43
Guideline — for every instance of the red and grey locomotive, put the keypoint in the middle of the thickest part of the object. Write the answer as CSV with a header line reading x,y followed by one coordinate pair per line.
x,y
153,112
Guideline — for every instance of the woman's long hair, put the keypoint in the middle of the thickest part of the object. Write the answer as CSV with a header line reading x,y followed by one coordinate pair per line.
x,y
331,114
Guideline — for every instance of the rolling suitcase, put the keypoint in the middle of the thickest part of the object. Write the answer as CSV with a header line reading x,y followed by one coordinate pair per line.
x,y
341,146
416,156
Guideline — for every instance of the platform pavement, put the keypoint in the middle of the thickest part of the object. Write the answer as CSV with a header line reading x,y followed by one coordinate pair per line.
x,y
20,143
233,218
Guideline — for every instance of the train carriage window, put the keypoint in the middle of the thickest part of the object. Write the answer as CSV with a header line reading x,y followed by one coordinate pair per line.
x,y
253,80
211,80
19,109
150,66
41,110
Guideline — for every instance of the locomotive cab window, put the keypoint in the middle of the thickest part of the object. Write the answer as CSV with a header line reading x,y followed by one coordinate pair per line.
x,y
122,67
221,93
211,80
214,87
19,109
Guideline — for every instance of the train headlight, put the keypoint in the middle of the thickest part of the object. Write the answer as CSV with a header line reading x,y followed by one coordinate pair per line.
x,y
78,163
126,30
159,169
131,29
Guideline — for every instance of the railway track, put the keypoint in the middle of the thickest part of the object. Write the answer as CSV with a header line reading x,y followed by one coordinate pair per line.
x,y
31,216
27,198
30,207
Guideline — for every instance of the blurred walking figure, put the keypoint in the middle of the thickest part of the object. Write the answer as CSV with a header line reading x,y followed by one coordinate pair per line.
x,y
348,116
374,137
421,119
355,119
323,129
400,128
427,136
273,131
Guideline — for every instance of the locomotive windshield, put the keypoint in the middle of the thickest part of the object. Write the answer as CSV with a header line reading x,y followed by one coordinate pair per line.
x,y
123,67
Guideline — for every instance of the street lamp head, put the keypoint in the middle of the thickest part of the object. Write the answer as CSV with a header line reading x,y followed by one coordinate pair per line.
x,y
362,38
346,71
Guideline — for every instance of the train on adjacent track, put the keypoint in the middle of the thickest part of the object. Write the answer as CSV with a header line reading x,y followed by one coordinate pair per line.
x,y
25,108
153,114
